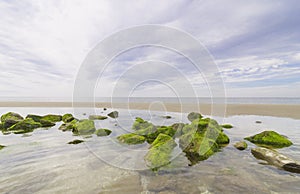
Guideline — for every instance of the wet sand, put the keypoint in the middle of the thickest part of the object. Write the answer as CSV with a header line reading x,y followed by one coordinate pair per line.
x,y
289,111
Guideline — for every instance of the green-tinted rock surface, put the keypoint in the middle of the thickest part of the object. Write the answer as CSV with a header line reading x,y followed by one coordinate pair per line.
x,y
139,123
76,141
270,139
103,132
52,118
9,119
66,118
1,147
131,139
25,126
114,114
84,127
241,145
194,115
46,121
97,117
227,126
70,126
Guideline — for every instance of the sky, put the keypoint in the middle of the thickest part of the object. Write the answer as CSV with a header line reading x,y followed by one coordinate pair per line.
x,y
254,44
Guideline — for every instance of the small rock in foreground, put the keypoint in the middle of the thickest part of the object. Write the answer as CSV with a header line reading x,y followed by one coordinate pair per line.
x,y
241,145
76,141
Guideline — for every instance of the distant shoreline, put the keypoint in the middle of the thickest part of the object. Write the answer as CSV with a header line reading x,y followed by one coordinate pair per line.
x,y
276,110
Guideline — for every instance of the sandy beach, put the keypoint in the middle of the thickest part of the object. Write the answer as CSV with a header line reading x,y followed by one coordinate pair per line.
x,y
289,111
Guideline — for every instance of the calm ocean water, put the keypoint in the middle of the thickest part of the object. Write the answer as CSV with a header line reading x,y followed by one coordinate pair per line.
x,y
231,100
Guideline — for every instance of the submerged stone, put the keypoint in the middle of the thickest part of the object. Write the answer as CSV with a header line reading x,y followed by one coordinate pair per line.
x,y
160,152
114,114
66,118
68,126
167,117
241,145
84,127
97,117
227,126
1,147
194,115
76,141
131,139
139,123
9,119
103,132
270,139
25,126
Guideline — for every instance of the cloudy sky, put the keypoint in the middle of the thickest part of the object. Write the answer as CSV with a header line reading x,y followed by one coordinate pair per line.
x,y
255,44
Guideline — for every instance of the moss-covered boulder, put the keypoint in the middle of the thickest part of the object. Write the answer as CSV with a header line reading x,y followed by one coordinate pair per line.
x,y
103,132
97,117
70,126
52,118
150,133
45,121
66,118
270,139
9,119
131,139
160,152
76,141
194,115
1,147
227,126
114,114
241,145
24,126
84,127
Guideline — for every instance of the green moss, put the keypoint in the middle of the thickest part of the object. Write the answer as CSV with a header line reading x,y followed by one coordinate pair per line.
x,y
114,114
84,127
160,152
97,117
52,118
76,141
227,126
193,115
103,132
167,130
270,139
68,126
2,146
9,119
150,133
66,118
25,126
139,123
241,145
131,139
46,123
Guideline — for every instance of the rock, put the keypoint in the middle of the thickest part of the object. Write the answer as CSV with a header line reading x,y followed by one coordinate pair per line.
x,y
76,141
241,145
150,133
97,117
25,126
193,115
131,139
258,122
104,109
66,118
139,123
36,118
9,119
178,128
160,152
270,139
103,132
52,118
2,146
84,127
68,126
114,114
227,126
167,117
276,159
46,123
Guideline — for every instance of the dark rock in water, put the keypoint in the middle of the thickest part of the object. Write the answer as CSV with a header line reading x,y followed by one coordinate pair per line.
x,y
114,114
66,118
160,151
131,139
76,141
84,127
276,159
242,145
270,139
25,126
167,117
83,113
104,109
46,123
258,122
68,126
97,117
139,123
1,147
193,115
9,119
227,126
103,132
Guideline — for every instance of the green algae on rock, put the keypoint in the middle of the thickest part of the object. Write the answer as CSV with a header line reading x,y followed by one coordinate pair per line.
x,y
9,119
140,123
227,126
160,152
84,127
66,118
103,132
194,115
2,146
114,114
68,126
131,139
52,118
97,117
47,120
241,145
76,141
270,139
24,126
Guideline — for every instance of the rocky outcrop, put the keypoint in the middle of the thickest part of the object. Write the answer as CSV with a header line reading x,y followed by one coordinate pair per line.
x,y
84,127
270,139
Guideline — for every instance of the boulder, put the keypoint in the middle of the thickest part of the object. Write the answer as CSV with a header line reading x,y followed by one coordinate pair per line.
x,y
270,139
46,121
114,114
76,141
160,152
103,132
97,117
194,115
9,119
241,145
139,123
227,126
276,159
24,126
66,118
131,139
84,127
68,126
52,118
